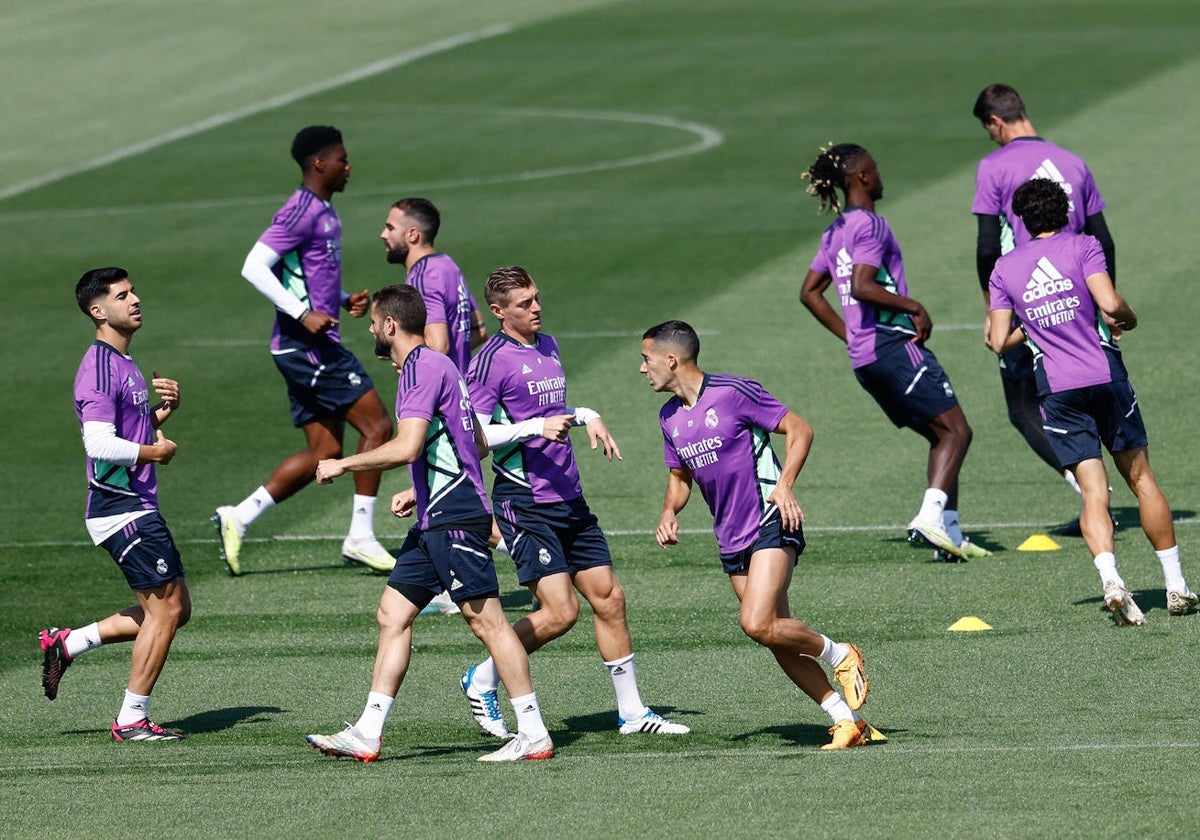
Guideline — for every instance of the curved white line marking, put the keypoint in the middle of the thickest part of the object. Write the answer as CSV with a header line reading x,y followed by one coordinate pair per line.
x,y
706,136
364,72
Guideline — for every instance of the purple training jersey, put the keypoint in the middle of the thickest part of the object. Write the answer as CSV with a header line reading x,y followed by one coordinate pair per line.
x,y
307,235
512,382
858,236
447,301
447,478
724,442
109,388
1044,282
1000,173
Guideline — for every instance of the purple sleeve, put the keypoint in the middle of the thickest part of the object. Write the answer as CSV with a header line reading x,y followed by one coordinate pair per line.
x,y
998,298
864,245
1091,257
767,413
484,395
987,195
821,263
1095,201
282,237
670,456
434,291
420,398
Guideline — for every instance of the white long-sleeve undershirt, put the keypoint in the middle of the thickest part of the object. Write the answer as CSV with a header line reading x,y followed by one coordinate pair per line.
x,y
101,443
258,272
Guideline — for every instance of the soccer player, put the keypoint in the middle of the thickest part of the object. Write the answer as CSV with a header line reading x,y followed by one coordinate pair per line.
x,y
519,391
1057,287
123,439
447,548
885,332
297,265
453,324
716,432
1023,155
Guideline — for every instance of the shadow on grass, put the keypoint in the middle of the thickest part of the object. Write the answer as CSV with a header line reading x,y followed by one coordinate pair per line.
x,y
802,734
219,720
1149,600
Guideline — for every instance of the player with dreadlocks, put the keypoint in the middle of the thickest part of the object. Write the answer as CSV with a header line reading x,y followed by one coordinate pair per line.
x,y
885,332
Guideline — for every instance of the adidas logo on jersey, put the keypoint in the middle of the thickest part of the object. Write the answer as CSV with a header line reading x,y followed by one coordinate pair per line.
x,y
845,265
1046,169
1046,281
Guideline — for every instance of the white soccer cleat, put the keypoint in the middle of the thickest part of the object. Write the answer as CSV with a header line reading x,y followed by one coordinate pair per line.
x,y
521,748
1120,604
368,552
934,534
485,706
441,605
230,531
346,744
652,722
1181,601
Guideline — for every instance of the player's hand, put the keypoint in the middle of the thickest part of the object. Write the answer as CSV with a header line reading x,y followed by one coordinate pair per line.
x,y
404,503
557,427
667,532
167,390
923,324
598,434
791,515
328,470
358,303
319,322
165,448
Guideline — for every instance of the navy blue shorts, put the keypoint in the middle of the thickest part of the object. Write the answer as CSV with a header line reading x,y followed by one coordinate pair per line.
x,y
1017,363
908,383
146,552
457,561
1078,421
770,535
545,539
322,381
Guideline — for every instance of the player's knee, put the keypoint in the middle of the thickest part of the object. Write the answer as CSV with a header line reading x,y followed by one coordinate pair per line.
x,y
612,606
759,629
558,617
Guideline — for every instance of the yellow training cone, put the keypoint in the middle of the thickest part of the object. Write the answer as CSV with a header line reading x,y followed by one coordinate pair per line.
x,y
968,623
1038,542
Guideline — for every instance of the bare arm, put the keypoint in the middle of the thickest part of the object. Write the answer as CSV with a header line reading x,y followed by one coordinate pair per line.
x,y
679,489
404,448
812,295
1001,335
437,336
1119,312
864,289
798,441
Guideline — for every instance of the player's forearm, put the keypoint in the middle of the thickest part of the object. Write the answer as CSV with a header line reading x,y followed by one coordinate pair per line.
x,y
395,453
257,269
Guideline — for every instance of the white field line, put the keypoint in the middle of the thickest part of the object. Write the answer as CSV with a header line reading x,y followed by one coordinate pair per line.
x,y
707,138
364,72
262,342
897,528
893,748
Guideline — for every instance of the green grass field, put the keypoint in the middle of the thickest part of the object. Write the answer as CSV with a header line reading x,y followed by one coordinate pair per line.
x,y
643,161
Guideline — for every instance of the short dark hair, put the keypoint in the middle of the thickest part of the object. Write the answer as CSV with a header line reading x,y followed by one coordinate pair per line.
x,y
828,173
502,281
311,141
1042,205
421,211
95,284
678,334
404,305
999,101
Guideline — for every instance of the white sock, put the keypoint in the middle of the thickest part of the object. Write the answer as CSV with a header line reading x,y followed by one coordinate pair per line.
x,y
485,678
1070,477
83,639
932,505
1172,571
1106,565
629,701
950,520
362,518
254,506
135,708
370,723
833,653
529,717
836,708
